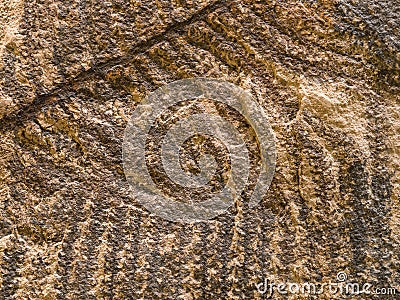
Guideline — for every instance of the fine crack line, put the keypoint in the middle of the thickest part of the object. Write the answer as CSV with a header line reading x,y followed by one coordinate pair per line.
x,y
16,118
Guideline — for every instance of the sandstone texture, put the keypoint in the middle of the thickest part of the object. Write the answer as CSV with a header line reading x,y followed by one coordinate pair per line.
x,y
327,74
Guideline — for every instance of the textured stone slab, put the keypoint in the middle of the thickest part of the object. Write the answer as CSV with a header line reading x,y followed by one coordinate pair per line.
x,y
71,75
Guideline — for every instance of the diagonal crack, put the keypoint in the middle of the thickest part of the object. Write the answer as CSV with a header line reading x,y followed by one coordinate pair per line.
x,y
18,117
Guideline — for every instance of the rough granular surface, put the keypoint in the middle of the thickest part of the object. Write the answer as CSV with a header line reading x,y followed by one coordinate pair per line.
x,y
327,75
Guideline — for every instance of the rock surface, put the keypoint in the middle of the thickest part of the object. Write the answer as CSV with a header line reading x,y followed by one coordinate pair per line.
x,y
71,74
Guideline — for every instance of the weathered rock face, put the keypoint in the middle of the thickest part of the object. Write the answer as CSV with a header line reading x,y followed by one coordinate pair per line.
x,y
71,74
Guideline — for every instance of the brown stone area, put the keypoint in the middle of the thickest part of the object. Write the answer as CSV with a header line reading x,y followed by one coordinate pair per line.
x,y
71,74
